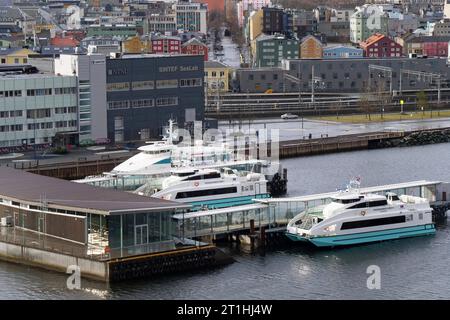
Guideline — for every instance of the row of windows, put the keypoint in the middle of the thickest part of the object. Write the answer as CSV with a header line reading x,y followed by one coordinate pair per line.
x,y
65,124
16,60
143,103
167,101
205,193
391,55
370,204
384,49
166,84
372,222
37,113
343,54
10,93
11,128
49,91
40,126
11,114
142,85
149,84
214,74
184,83
63,110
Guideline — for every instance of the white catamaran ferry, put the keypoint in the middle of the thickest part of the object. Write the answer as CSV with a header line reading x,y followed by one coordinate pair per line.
x,y
213,189
354,218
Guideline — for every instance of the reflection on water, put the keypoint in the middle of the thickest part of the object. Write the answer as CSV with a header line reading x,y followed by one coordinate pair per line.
x,y
411,268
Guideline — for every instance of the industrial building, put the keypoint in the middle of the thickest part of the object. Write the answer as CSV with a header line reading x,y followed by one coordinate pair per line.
x,y
343,75
352,75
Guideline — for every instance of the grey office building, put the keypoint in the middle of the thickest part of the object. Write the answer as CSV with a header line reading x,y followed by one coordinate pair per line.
x,y
145,91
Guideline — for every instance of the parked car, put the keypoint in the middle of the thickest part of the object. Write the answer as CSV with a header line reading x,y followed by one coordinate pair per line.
x,y
288,116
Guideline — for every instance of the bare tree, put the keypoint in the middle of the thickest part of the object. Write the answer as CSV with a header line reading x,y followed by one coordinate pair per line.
x,y
365,101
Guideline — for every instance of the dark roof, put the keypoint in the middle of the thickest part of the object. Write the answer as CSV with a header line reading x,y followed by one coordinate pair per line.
x,y
9,28
424,39
31,187
215,64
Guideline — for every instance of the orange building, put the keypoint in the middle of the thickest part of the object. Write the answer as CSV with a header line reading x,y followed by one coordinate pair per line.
x,y
137,44
311,48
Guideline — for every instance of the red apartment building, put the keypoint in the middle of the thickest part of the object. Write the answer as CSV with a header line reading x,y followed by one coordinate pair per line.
x,y
380,46
195,46
166,45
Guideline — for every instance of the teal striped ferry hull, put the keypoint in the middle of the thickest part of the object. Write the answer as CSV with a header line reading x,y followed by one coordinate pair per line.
x,y
366,237
227,202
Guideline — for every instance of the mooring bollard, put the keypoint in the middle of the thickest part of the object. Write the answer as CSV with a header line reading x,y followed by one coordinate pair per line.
x,y
252,226
262,236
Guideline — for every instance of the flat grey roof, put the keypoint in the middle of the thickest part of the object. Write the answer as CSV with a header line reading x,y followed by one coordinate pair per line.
x,y
29,187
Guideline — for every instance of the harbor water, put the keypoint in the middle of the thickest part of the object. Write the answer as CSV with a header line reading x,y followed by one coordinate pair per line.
x,y
415,268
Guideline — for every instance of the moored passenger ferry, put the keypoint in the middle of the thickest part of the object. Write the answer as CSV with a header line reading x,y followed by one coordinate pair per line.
x,y
214,189
354,218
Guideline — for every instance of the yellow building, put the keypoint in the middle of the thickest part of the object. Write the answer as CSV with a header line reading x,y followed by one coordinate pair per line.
x,y
43,27
14,55
137,45
311,48
217,76
255,24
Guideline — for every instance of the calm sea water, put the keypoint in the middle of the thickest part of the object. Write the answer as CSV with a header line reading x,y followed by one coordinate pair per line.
x,y
410,268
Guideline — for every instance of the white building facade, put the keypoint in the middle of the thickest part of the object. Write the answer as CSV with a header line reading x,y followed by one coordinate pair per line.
x,y
91,75
35,108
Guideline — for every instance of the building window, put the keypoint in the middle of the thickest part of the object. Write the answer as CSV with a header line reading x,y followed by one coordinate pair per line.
x,y
113,105
38,113
196,82
167,84
142,85
167,101
118,86
70,90
142,103
61,124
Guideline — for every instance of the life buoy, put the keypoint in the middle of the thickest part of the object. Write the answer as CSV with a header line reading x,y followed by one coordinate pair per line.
x,y
196,184
363,213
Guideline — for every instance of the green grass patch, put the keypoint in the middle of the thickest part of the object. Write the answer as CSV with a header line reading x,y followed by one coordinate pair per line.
x,y
377,117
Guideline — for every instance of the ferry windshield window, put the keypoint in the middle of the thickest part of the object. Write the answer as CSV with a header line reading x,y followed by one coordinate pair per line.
x,y
345,201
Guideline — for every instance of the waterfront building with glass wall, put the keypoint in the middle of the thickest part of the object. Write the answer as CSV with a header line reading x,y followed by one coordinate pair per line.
x,y
90,220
